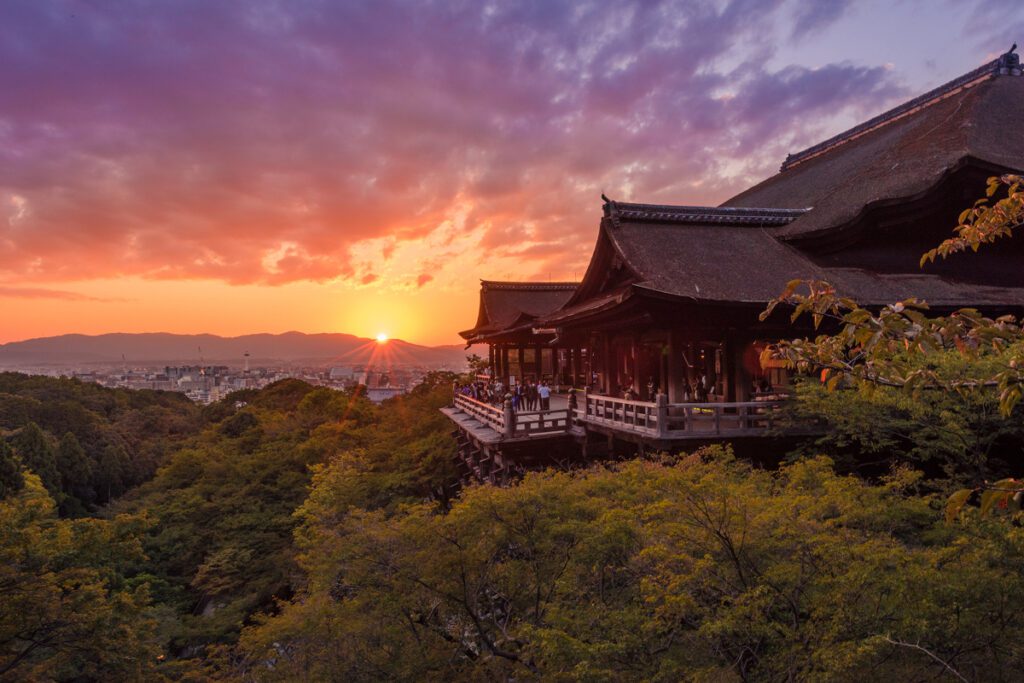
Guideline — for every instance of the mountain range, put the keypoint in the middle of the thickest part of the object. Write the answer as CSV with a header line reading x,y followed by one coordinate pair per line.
x,y
264,349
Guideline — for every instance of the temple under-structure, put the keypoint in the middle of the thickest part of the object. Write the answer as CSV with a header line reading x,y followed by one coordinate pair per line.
x,y
662,338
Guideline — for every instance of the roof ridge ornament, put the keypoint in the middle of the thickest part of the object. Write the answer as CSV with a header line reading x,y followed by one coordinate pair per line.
x,y
611,209
1009,63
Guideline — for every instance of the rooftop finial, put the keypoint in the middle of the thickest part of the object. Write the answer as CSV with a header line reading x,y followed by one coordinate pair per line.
x,y
1009,63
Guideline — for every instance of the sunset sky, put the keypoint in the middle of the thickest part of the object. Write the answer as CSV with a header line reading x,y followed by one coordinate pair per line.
x,y
262,166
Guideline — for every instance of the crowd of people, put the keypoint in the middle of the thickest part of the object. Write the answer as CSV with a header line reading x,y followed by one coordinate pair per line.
x,y
527,395
530,395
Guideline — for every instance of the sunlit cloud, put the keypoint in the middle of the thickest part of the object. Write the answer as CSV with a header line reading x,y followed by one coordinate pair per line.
x,y
262,143
360,164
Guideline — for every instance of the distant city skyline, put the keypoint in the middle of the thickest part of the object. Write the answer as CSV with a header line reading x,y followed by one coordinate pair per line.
x,y
267,166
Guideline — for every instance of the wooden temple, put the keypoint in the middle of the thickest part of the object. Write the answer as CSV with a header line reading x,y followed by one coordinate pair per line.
x,y
507,323
662,336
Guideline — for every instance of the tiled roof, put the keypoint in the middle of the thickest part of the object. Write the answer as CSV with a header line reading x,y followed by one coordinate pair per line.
x,y
507,304
901,154
1007,64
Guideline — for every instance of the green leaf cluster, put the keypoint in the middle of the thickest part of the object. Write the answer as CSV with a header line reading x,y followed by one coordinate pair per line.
x,y
703,570
69,609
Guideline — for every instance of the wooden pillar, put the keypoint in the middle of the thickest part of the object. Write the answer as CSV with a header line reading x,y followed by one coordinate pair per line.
x,y
662,411
573,365
522,362
509,417
610,369
504,365
739,377
556,366
490,360
634,349
538,361
673,383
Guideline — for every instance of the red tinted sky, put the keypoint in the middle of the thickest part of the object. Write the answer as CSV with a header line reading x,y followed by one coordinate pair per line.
x,y
237,167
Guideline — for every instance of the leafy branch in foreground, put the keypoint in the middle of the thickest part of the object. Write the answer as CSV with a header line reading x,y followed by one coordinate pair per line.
x,y
985,223
891,347
897,345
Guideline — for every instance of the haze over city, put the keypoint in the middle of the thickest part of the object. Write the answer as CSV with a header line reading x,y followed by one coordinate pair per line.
x,y
265,166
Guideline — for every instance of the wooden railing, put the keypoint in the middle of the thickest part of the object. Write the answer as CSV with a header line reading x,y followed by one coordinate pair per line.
x,y
664,420
514,425
484,412
619,412
720,418
659,419
538,422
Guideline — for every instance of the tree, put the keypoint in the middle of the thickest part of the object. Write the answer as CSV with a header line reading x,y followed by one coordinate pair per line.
x,y
477,365
703,569
435,379
111,473
11,478
951,436
37,455
67,611
76,471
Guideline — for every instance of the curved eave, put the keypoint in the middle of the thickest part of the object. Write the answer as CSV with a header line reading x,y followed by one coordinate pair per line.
x,y
605,249
584,310
912,192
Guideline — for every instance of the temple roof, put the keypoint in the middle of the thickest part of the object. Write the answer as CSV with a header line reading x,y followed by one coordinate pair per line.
x,y
711,256
506,305
974,119
706,254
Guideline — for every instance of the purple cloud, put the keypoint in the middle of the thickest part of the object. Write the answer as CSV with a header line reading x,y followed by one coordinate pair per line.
x,y
257,142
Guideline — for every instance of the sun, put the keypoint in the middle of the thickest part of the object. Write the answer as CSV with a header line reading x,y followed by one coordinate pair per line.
x,y
382,337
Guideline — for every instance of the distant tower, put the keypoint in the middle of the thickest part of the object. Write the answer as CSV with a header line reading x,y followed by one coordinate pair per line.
x,y
202,368
247,362
124,366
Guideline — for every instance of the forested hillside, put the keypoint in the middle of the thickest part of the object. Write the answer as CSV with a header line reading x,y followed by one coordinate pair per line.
x,y
89,444
204,539
299,533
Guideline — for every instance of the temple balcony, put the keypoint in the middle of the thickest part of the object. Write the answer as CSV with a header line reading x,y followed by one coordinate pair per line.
x,y
661,421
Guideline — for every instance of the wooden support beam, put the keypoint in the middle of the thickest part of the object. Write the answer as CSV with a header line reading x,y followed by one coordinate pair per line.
x,y
609,365
673,383
634,369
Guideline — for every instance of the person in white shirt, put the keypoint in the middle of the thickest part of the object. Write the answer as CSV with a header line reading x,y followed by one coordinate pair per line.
x,y
545,396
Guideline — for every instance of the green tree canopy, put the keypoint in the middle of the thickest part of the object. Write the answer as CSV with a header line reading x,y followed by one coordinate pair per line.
x,y
701,570
67,611
11,478
33,447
